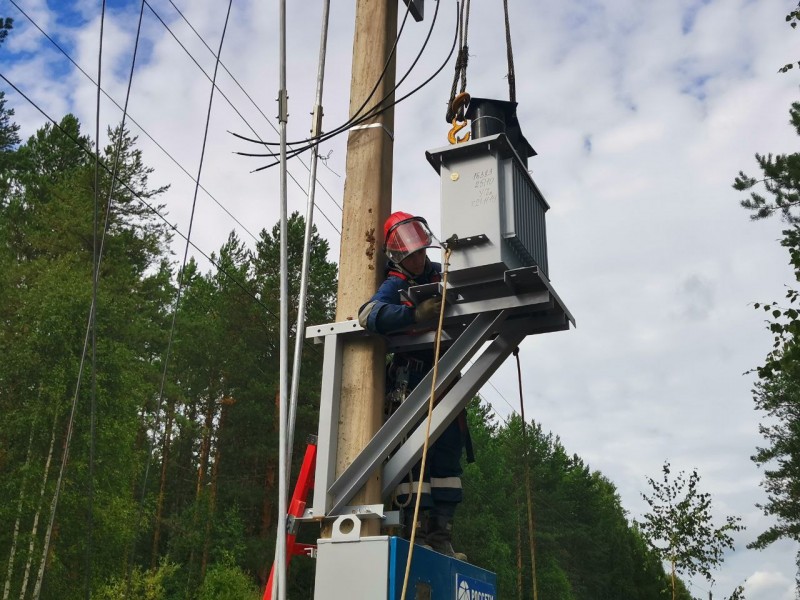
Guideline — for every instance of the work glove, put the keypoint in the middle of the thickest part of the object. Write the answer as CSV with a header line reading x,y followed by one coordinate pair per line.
x,y
428,309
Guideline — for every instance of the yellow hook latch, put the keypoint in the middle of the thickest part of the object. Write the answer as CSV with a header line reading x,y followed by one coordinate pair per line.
x,y
459,121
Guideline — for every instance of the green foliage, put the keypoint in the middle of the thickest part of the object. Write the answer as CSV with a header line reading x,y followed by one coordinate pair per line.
x,y
143,585
738,593
780,175
776,392
226,581
680,527
792,18
585,548
6,25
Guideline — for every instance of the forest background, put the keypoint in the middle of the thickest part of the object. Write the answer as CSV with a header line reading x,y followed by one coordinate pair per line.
x,y
168,489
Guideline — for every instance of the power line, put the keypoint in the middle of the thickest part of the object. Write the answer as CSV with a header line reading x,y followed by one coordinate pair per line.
x,y
182,272
375,111
228,100
499,393
249,97
149,136
93,314
357,112
142,129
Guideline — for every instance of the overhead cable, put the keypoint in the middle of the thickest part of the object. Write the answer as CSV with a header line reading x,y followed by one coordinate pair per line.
x,y
249,97
93,316
346,125
90,330
142,129
374,112
228,100
182,271
357,118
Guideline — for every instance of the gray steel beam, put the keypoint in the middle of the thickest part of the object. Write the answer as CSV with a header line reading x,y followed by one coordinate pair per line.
x,y
328,435
448,407
412,410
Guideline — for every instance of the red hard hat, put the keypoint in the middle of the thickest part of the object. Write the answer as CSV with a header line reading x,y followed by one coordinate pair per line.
x,y
395,219
404,234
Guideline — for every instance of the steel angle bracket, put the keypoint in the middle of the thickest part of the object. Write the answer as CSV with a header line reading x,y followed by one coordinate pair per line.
x,y
450,405
383,443
458,243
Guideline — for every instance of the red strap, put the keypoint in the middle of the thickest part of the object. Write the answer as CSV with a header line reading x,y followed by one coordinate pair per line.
x,y
399,274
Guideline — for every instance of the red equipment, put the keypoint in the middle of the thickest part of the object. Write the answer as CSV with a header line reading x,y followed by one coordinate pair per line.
x,y
297,506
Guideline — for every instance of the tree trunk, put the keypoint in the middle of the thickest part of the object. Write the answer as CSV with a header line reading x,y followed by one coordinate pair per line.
x,y
202,467
212,501
672,562
205,444
37,588
15,536
163,483
519,554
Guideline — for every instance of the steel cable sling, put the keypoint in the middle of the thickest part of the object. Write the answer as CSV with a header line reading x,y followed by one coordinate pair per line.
x,y
457,104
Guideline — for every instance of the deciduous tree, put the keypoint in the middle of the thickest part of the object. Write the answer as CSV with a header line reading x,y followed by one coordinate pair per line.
x,y
680,526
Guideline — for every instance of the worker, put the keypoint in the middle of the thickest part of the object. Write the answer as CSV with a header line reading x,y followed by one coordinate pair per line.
x,y
406,239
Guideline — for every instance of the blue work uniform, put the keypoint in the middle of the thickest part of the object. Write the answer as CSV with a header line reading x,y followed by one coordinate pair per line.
x,y
386,312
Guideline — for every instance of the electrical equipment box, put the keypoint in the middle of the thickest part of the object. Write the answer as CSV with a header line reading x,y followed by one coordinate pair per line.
x,y
491,203
374,568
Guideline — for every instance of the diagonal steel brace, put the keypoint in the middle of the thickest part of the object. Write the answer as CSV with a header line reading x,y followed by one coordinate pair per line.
x,y
450,405
412,410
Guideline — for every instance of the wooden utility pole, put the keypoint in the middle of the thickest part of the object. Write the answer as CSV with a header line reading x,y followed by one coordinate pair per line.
x,y
367,204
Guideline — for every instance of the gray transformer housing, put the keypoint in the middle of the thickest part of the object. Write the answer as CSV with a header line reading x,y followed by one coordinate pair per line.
x,y
493,206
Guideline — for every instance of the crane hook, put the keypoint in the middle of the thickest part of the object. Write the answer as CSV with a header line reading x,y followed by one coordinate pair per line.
x,y
459,121
451,136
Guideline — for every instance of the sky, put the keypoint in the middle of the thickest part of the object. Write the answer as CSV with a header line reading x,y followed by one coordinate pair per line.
x,y
642,114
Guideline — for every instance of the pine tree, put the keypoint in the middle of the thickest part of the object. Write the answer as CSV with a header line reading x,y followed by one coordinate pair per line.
x,y
776,391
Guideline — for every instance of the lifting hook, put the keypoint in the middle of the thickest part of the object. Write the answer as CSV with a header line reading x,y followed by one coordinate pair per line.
x,y
459,121
456,128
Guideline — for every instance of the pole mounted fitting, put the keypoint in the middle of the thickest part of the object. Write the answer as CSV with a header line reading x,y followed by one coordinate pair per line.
x,y
283,105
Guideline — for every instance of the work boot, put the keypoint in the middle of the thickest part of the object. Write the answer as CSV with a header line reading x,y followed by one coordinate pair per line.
x,y
421,527
440,537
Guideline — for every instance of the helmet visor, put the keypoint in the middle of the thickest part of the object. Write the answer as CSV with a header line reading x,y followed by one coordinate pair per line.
x,y
408,236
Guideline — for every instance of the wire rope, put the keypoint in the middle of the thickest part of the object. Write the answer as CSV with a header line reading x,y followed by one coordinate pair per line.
x,y
512,86
528,488
461,60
